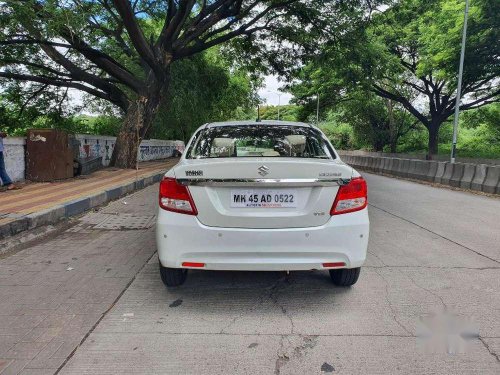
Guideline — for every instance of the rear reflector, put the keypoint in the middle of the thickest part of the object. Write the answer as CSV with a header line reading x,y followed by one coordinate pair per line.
x,y
334,264
193,264
176,197
351,197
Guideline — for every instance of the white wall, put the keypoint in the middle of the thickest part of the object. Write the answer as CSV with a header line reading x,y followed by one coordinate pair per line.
x,y
90,145
14,157
152,149
96,145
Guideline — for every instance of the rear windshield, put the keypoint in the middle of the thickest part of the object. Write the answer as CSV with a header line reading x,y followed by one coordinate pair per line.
x,y
259,141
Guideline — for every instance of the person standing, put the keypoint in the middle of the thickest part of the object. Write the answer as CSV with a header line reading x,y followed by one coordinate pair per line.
x,y
6,181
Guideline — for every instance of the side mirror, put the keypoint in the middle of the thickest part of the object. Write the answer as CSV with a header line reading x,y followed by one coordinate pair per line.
x,y
176,154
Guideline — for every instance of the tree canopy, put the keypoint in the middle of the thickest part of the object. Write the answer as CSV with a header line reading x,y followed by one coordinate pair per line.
x,y
206,87
381,69
409,54
121,51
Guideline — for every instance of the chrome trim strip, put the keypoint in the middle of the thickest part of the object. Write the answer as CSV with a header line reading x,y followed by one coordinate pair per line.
x,y
263,182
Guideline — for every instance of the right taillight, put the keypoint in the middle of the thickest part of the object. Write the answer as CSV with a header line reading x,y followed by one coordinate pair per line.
x,y
176,197
351,197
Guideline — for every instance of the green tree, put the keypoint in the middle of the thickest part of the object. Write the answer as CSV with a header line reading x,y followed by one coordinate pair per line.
x,y
17,115
122,51
374,122
204,88
409,55
423,38
286,112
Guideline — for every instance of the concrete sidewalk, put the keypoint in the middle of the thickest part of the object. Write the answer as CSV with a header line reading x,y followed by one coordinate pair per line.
x,y
46,203
55,290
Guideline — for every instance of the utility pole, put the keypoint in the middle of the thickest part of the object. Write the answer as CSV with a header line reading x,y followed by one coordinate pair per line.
x,y
279,104
317,109
459,85
279,100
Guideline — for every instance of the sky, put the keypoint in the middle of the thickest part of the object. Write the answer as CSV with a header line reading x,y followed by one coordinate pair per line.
x,y
269,93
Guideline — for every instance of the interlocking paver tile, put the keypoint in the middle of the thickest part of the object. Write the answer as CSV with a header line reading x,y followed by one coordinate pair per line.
x,y
39,196
42,334
3,363
38,371
25,350
6,342
14,366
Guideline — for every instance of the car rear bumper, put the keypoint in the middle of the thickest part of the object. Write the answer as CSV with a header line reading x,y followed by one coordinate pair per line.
x,y
182,238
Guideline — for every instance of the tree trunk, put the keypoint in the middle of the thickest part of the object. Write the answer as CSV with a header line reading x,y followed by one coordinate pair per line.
x,y
433,138
393,131
128,140
138,120
394,145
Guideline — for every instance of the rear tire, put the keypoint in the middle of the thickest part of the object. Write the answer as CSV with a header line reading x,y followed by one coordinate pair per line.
x,y
345,276
173,276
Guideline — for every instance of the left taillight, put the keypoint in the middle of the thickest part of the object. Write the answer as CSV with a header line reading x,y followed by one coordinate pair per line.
x,y
176,197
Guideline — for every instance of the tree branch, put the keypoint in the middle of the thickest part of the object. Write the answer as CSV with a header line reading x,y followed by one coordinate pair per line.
x,y
30,98
482,101
197,29
136,36
104,62
400,99
8,42
34,65
172,29
64,83
244,29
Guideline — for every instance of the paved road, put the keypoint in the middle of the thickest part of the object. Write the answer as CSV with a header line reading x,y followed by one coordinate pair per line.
x,y
429,249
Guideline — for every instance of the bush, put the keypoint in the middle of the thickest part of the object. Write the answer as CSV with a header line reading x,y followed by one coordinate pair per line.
x,y
479,142
341,135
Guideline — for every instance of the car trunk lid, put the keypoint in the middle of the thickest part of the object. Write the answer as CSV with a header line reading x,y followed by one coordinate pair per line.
x,y
265,193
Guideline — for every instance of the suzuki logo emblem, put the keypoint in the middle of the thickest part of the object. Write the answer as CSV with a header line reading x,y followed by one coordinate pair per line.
x,y
263,170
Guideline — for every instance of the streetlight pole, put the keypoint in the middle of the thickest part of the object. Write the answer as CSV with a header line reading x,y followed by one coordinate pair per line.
x,y
459,85
279,100
279,104
317,109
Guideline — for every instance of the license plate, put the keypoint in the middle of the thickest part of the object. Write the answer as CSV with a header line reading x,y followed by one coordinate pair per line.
x,y
263,198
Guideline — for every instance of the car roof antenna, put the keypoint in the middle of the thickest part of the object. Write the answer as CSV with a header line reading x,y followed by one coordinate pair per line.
x,y
258,114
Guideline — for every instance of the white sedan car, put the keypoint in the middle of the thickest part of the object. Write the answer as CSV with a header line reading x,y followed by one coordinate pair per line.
x,y
262,196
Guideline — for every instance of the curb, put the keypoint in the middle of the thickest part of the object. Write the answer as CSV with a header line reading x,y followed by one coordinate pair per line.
x,y
76,207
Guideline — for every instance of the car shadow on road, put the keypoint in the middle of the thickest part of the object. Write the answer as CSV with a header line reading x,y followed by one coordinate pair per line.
x,y
249,279
206,291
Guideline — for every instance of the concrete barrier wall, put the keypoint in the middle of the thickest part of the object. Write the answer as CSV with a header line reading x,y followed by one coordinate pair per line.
x,y
419,157
490,184
479,177
90,145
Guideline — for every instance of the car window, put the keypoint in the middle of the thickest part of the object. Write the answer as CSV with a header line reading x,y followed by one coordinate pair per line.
x,y
259,141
